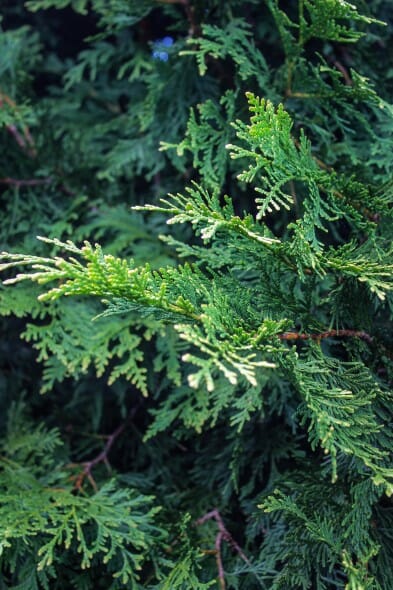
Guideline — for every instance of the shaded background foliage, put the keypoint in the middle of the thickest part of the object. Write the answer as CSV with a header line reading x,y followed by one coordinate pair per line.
x,y
95,118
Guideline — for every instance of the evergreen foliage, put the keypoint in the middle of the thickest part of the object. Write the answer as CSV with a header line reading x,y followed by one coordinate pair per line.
x,y
214,289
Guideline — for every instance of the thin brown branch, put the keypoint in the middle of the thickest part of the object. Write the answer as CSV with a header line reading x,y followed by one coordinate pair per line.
x,y
290,94
26,182
102,457
328,334
21,182
222,535
17,136
344,71
220,565
24,139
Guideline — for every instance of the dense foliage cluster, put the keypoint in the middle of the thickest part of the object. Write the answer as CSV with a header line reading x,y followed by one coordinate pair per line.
x,y
208,309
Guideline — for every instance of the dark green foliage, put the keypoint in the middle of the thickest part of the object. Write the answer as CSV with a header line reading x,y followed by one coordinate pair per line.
x,y
209,312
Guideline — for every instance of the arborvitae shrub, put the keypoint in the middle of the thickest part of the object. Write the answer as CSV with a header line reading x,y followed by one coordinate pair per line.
x,y
209,311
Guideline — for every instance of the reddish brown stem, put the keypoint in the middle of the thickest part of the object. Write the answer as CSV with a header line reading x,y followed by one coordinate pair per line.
x,y
344,71
222,535
24,139
327,334
16,135
220,565
102,457
35,182
20,140
29,182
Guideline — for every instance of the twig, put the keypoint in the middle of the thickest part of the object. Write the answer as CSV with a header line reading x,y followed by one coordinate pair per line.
x,y
290,94
25,140
36,182
102,457
29,182
222,535
327,334
344,71
20,140
220,565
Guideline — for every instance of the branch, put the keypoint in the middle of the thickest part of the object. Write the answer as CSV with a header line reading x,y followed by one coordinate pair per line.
x,y
344,71
29,182
102,457
222,535
25,140
36,182
327,334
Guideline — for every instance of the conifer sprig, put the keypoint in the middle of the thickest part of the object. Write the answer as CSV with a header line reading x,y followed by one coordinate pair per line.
x,y
247,315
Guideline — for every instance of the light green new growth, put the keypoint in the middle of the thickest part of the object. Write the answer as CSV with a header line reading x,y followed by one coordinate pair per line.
x,y
244,340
